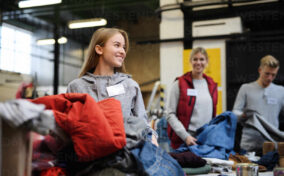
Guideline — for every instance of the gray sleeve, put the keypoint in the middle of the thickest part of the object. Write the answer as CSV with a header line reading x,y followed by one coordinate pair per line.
x,y
71,88
240,102
282,109
282,106
75,86
139,110
172,119
138,106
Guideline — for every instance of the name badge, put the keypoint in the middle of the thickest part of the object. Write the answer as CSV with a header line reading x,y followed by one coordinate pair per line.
x,y
272,101
191,92
115,90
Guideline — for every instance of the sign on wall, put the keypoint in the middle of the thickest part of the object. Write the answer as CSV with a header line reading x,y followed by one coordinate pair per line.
x,y
213,69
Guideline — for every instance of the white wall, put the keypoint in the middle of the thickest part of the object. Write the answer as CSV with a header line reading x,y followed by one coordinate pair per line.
x,y
171,53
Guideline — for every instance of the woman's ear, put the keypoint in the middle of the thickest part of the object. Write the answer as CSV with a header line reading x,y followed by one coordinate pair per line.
x,y
99,49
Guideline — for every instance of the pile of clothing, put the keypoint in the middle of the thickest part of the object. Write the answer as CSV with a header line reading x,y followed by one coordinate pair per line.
x,y
214,150
85,137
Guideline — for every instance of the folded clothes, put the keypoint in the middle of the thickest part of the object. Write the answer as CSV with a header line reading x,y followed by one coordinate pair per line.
x,y
188,159
17,112
217,161
200,170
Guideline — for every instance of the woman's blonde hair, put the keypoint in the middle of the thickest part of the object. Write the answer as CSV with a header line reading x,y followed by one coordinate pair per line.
x,y
269,61
100,37
198,50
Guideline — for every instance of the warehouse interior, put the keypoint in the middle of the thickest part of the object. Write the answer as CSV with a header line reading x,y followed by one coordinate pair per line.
x,y
161,35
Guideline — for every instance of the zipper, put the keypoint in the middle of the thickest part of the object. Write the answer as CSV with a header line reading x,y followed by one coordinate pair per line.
x,y
190,100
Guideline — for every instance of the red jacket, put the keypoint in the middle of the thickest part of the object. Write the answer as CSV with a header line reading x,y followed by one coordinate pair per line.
x,y
186,104
96,129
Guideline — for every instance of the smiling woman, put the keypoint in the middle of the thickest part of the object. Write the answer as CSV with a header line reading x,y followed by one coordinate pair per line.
x,y
192,101
103,73
112,55
98,49
103,76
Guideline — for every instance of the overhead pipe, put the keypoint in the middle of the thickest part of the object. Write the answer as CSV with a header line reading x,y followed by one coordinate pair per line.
x,y
38,11
193,4
271,35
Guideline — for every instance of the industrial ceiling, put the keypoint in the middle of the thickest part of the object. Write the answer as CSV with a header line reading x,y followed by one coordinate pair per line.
x,y
257,15
47,17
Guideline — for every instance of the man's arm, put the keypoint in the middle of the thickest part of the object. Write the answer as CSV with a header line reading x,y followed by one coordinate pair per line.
x,y
240,103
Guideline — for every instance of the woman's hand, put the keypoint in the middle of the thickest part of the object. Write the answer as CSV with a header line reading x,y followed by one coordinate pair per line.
x,y
190,140
154,140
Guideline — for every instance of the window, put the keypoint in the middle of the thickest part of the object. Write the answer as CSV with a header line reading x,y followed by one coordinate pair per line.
x,y
15,53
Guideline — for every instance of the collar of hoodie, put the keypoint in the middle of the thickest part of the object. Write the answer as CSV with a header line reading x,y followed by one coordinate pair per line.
x,y
111,80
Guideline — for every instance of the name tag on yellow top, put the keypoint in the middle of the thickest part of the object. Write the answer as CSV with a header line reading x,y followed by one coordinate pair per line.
x,y
191,92
115,90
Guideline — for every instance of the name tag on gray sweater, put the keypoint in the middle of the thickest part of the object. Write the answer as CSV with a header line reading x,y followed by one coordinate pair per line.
x,y
115,90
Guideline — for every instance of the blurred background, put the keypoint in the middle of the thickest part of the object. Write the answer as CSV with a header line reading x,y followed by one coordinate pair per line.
x,y
160,33
43,45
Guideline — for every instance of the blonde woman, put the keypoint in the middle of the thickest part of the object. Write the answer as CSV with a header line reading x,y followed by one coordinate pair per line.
x,y
192,101
103,73
103,76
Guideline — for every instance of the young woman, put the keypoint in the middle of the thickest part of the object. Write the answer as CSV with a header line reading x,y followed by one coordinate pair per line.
x,y
103,73
192,101
103,76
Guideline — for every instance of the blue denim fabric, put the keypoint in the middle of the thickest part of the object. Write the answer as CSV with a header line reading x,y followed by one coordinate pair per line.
x,y
216,139
207,151
163,140
156,161
162,126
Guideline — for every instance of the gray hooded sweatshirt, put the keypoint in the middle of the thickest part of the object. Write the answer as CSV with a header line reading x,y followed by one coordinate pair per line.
x,y
131,100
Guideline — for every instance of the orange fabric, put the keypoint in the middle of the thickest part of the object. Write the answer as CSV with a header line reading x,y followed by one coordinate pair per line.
x,y
53,171
96,129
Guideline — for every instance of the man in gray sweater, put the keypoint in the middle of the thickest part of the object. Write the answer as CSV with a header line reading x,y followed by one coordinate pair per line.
x,y
261,97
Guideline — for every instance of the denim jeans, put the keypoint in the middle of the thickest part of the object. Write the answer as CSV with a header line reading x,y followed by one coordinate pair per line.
x,y
163,140
156,161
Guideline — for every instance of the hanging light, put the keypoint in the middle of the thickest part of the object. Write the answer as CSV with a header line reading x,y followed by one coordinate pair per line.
x,y
34,3
87,23
61,40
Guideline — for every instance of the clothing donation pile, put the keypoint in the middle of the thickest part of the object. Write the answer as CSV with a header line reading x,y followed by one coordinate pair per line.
x,y
84,137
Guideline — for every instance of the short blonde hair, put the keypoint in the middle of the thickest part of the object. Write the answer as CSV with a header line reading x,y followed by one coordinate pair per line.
x,y
100,37
269,61
198,50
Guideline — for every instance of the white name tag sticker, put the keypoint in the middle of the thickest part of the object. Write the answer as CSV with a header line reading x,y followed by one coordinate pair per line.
x,y
272,101
191,92
115,90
